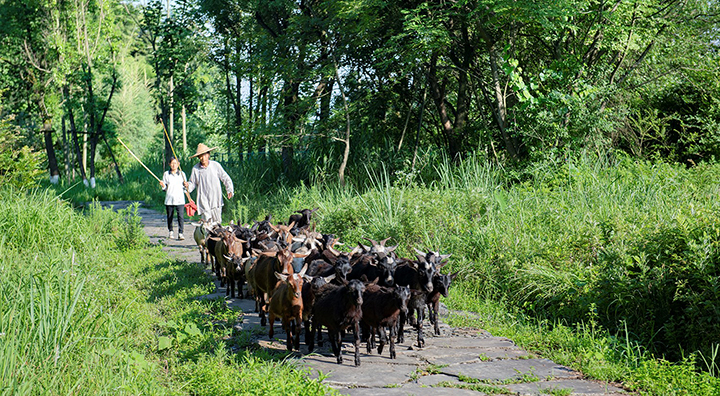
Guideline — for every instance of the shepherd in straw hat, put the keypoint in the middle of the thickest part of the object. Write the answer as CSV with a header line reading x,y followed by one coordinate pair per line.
x,y
206,177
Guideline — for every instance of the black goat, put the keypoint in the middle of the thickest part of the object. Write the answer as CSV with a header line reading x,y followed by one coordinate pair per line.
x,y
302,219
418,277
339,308
310,290
441,285
381,308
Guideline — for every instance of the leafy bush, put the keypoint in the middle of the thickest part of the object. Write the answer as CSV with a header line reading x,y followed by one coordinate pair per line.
x,y
19,165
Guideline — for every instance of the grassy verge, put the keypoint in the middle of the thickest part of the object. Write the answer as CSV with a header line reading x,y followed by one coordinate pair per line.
x,y
607,265
87,308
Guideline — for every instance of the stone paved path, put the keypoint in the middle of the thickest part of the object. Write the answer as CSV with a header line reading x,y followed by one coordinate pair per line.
x,y
458,359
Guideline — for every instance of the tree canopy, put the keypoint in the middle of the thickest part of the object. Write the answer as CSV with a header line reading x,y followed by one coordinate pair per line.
x,y
333,85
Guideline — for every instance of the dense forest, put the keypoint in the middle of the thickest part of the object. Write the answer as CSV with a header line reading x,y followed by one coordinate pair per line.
x,y
325,88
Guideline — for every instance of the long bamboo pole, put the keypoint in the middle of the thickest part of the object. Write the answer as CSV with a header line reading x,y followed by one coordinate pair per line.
x,y
138,160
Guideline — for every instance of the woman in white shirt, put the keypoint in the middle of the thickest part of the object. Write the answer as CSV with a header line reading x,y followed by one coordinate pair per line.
x,y
172,184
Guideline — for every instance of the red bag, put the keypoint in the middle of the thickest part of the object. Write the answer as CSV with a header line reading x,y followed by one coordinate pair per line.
x,y
190,208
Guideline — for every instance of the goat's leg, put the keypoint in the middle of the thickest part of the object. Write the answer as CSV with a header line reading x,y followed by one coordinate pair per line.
x,y
308,333
421,337
271,332
392,330
383,337
335,343
262,312
288,327
434,308
296,330
319,334
311,344
367,336
401,327
356,338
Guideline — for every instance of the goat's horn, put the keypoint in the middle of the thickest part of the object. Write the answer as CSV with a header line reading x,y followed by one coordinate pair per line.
x,y
371,241
302,271
420,252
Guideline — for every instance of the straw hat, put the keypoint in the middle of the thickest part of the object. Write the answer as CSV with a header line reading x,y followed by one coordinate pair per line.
x,y
202,149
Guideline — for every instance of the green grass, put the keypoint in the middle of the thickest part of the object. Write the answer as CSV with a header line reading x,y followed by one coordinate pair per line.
x,y
606,264
86,307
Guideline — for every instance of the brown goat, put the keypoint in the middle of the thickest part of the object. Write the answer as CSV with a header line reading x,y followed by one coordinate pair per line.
x,y
263,276
287,304
230,253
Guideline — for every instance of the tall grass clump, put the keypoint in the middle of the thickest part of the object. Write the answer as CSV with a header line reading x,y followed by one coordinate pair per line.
x,y
61,306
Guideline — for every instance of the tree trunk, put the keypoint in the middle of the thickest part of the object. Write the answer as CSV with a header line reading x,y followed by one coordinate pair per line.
x,y
346,152
112,156
76,142
69,174
291,90
419,127
52,160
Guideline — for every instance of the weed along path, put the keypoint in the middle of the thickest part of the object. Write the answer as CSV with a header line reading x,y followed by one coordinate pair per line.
x,y
460,361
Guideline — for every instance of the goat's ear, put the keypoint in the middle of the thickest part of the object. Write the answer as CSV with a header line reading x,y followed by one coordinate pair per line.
x,y
419,252
444,257
375,281
195,224
329,278
300,255
421,259
454,275
314,209
291,225
280,276
391,249
441,264
307,278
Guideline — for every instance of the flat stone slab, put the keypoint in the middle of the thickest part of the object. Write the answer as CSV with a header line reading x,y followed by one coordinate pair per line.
x,y
511,370
408,389
348,376
578,387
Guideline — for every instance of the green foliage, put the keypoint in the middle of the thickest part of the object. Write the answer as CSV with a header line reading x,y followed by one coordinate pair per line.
x,y
20,166
132,235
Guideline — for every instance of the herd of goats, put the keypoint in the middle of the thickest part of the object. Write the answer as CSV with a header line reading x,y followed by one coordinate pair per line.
x,y
295,274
